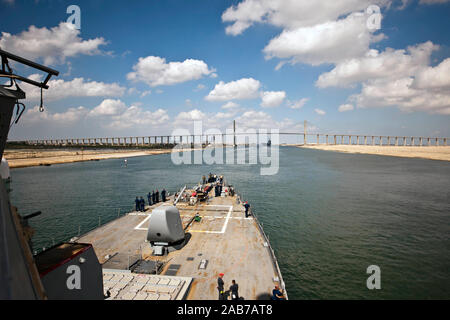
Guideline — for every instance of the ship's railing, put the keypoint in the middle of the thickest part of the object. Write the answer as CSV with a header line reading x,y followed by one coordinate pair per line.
x,y
240,198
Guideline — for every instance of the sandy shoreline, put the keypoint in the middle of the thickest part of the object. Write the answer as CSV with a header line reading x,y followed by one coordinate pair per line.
x,y
31,157
21,158
433,153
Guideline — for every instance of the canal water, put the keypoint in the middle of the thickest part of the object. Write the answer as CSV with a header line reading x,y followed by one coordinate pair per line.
x,y
328,215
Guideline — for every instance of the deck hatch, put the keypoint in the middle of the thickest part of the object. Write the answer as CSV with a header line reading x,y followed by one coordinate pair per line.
x,y
147,267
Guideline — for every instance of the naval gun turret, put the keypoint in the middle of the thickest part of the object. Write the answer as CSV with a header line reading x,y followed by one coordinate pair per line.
x,y
165,231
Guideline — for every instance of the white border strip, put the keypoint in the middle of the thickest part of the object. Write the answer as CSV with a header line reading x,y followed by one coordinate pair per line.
x,y
227,219
224,228
138,227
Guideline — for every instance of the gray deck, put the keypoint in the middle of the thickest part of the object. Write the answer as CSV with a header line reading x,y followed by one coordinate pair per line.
x,y
232,244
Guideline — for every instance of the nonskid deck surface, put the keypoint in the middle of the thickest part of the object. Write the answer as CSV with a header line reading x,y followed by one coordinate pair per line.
x,y
231,244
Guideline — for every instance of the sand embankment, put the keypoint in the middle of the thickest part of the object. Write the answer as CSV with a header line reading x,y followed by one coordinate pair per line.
x,y
38,157
425,152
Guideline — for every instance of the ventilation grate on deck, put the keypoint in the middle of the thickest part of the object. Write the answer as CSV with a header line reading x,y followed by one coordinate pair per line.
x,y
172,269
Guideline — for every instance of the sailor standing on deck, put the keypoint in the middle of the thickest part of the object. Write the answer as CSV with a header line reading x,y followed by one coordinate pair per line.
x,y
220,287
138,204
157,196
149,198
246,206
163,195
216,190
234,290
142,202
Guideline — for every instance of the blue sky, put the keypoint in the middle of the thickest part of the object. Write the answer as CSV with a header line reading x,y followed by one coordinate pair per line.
x,y
402,88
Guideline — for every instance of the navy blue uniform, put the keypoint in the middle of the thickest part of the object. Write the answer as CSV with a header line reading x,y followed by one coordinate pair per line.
x,y
276,293
216,190
138,204
163,195
234,291
246,206
142,204
149,198
220,285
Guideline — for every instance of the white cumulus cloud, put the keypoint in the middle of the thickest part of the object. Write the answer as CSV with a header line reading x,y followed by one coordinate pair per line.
x,y
320,112
272,99
298,104
137,117
345,107
389,63
395,78
78,87
246,88
53,45
230,105
434,78
108,115
108,107
155,71
401,93
290,14
68,117
328,42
